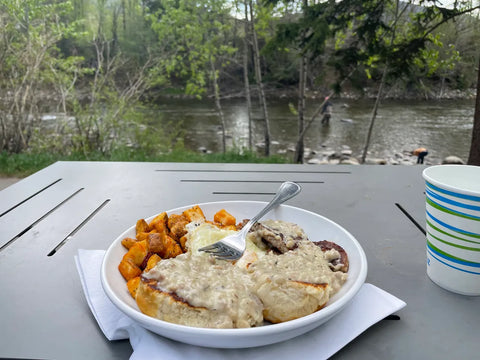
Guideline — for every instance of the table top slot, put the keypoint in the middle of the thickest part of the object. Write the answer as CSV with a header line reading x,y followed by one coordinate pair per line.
x,y
411,218
77,228
29,197
248,181
254,171
29,227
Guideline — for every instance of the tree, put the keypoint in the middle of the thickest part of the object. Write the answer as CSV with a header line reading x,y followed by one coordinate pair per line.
x,y
474,156
374,40
190,36
30,63
246,82
258,77
411,46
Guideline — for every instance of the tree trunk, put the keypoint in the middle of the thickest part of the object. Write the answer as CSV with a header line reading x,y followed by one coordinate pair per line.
x,y
300,148
124,19
258,75
474,156
379,94
218,106
374,114
245,79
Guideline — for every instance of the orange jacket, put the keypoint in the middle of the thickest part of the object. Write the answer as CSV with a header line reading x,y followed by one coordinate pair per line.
x,y
418,151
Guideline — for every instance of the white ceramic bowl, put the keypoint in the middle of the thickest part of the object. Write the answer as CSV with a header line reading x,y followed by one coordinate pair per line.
x,y
316,227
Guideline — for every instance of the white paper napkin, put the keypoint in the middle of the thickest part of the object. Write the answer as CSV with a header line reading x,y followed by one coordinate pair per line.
x,y
369,306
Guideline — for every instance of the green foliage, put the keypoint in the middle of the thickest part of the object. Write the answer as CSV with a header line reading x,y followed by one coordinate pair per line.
x,y
31,63
94,61
25,164
190,33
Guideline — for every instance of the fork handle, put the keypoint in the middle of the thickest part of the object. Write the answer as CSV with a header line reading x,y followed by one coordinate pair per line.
x,y
286,191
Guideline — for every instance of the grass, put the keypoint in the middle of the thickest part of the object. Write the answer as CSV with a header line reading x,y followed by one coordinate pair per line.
x,y
24,164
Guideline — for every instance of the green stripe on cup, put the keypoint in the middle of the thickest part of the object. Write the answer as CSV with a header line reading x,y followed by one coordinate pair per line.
x,y
445,210
447,255
454,236
452,244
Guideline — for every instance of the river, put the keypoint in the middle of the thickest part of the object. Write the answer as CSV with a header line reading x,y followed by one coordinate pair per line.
x,y
444,126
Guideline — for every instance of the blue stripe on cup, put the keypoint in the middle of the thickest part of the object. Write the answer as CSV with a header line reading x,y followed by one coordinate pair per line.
x,y
433,195
450,227
452,193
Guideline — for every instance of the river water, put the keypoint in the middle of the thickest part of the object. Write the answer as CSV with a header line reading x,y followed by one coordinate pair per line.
x,y
444,127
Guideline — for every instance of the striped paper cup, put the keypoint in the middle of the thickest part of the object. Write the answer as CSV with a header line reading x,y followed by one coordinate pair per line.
x,y
453,227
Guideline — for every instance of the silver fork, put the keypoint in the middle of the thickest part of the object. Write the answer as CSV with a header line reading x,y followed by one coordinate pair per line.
x,y
233,246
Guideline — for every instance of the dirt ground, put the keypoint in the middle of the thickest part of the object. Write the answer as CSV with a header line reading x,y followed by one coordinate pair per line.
x,y
7,181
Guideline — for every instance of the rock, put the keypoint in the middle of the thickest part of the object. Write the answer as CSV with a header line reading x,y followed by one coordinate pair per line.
x,y
350,161
453,160
316,161
374,161
334,155
202,149
349,121
328,153
347,152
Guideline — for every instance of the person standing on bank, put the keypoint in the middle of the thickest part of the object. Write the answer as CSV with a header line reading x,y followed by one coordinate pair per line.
x,y
420,153
326,111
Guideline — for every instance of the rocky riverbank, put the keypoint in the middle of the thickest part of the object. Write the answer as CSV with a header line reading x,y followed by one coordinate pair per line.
x,y
344,156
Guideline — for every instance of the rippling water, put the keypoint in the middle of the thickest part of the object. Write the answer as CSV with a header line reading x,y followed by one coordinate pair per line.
x,y
444,127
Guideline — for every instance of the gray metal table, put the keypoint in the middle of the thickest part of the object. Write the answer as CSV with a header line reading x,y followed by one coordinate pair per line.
x,y
47,217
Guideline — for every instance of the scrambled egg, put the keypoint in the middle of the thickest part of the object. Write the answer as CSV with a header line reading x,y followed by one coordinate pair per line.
x,y
203,234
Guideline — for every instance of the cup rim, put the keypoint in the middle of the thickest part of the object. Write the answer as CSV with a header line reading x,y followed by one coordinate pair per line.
x,y
467,170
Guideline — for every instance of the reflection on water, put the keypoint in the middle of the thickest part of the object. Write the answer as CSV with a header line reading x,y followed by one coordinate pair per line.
x,y
444,127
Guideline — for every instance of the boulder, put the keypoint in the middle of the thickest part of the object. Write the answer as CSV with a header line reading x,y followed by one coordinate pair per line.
x,y
374,161
316,161
350,161
453,160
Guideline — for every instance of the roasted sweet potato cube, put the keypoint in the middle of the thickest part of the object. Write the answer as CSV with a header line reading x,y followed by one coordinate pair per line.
x,y
164,246
128,242
172,248
229,227
144,235
183,243
137,253
224,218
160,227
194,214
155,243
141,226
176,224
128,269
132,286
152,261
159,222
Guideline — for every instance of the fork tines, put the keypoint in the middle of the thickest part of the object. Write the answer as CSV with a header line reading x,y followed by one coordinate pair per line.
x,y
222,251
